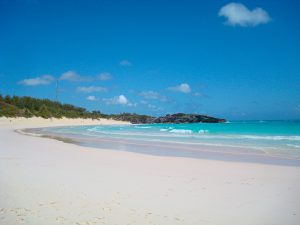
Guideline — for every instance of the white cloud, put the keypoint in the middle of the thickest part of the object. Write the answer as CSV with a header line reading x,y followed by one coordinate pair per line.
x,y
198,94
125,63
91,98
150,106
153,95
75,77
143,102
91,89
42,80
154,108
183,88
104,76
122,100
132,104
119,100
71,76
238,14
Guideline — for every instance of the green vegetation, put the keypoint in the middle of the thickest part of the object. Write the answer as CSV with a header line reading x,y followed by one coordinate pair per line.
x,y
28,107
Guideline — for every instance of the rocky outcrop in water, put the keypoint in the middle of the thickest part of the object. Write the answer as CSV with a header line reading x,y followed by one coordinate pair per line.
x,y
133,118
174,118
187,118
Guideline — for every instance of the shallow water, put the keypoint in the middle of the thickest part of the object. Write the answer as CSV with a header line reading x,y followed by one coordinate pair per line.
x,y
279,139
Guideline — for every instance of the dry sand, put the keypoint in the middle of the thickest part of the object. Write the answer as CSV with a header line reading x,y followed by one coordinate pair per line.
x,y
35,122
45,181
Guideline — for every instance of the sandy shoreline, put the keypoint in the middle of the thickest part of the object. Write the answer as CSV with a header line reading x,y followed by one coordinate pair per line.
x,y
170,149
44,181
36,122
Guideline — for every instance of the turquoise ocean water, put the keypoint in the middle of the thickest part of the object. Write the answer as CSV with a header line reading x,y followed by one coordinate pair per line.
x,y
272,138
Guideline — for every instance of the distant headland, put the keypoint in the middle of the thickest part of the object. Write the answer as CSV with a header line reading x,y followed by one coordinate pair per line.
x,y
30,107
174,118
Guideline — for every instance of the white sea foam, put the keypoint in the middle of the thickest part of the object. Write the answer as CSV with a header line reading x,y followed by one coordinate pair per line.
x,y
203,134
252,137
93,129
202,131
227,136
96,130
166,129
291,138
142,127
181,131
163,129
294,146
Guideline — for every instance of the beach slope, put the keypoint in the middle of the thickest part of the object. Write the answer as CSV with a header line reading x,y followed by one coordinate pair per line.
x,y
45,181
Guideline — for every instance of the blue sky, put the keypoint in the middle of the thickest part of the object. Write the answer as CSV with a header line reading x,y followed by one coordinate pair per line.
x,y
237,60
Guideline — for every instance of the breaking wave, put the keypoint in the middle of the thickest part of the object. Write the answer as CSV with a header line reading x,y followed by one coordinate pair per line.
x,y
181,131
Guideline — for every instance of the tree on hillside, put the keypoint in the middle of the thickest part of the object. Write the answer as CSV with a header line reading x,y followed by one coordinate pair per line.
x,y
44,112
7,99
27,106
27,113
